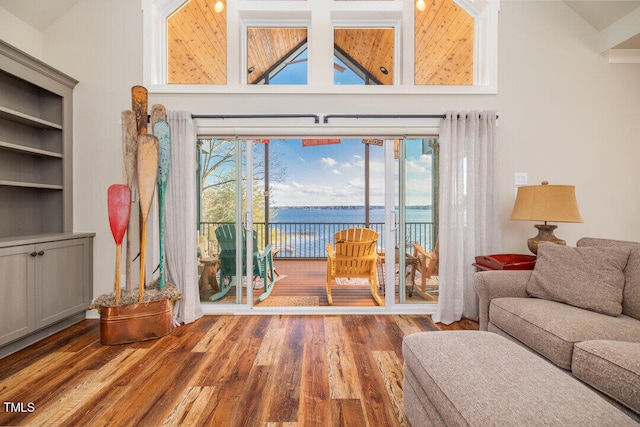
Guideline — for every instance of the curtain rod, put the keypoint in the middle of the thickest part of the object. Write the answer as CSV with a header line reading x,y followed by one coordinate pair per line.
x,y
385,116
382,116
256,116
317,118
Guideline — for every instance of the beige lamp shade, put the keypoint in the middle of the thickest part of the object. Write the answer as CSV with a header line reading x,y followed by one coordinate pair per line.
x,y
554,203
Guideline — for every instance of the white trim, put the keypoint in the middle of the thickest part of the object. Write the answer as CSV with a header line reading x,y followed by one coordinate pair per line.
x,y
618,32
243,309
622,56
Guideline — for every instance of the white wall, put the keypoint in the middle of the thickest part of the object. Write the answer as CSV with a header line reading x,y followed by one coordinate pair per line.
x,y
100,44
19,34
566,116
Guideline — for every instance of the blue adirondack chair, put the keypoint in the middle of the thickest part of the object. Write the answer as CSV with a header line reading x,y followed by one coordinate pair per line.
x,y
262,261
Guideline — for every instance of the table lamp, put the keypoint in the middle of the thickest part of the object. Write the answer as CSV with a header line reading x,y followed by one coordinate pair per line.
x,y
555,203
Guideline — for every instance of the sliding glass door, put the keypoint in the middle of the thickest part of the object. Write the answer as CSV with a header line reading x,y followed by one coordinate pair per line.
x,y
417,220
289,197
224,218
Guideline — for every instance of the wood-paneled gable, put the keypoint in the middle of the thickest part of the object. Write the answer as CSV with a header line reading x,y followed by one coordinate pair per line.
x,y
267,47
370,48
197,44
444,39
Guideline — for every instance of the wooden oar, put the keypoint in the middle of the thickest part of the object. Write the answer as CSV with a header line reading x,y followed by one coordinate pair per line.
x,y
129,155
147,175
158,112
161,131
139,104
119,203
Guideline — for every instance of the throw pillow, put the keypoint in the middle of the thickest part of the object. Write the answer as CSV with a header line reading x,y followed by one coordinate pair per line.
x,y
631,293
586,277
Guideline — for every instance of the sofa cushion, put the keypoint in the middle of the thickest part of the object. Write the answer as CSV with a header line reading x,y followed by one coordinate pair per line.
x,y
613,367
631,294
475,378
552,328
587,277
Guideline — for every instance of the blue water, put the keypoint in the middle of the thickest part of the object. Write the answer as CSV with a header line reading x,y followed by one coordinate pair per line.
x,y
344,214
305,232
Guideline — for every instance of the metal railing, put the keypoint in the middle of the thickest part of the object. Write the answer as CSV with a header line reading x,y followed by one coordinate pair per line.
x,y
309,240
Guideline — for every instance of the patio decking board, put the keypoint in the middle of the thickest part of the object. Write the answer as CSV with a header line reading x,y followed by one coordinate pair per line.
x,y
307,278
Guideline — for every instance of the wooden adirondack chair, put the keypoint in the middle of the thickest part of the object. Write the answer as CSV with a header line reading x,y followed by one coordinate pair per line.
x,y
428,267
262,261
355,256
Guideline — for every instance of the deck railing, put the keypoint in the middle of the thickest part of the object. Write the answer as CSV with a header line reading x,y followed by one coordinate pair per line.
x,y
308,240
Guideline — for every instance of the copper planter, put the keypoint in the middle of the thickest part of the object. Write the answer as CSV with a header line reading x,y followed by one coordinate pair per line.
x,y
121,324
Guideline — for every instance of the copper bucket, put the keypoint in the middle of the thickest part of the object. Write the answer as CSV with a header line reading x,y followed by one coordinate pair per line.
x,y
121,324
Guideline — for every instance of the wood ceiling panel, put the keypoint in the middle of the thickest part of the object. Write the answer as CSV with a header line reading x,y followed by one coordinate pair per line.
x,y
371,48
444,40
267,47
197,44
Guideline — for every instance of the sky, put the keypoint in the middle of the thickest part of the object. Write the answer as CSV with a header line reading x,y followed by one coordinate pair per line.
x,y
333,175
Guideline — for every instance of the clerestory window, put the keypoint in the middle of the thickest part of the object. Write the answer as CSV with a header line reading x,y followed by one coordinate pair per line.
x,y
445,44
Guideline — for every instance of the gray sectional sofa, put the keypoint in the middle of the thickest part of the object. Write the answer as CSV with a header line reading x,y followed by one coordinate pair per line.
x,y
579,308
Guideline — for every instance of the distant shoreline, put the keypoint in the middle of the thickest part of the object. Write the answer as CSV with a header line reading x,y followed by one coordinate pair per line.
x,y
344,207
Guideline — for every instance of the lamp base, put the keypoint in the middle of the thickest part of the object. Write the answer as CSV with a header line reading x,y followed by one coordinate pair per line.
x,y
545,234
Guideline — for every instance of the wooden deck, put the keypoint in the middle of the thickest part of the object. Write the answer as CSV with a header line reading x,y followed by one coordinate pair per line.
x,y
304,280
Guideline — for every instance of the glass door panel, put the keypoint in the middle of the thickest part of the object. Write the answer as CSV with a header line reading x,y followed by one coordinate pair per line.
x,y
417,221
222,186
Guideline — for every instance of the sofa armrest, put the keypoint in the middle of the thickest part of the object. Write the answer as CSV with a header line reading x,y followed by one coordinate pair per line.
x,y
497,284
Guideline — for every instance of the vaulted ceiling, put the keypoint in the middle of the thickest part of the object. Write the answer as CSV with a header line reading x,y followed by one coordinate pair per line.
x,y
618,22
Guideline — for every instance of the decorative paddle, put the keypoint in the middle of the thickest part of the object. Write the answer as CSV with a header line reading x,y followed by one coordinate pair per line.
x,y
161,131
119,204
158,112
139,104
147,175
129,154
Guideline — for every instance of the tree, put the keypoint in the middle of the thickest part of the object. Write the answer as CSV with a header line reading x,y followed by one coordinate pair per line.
x,y
218,179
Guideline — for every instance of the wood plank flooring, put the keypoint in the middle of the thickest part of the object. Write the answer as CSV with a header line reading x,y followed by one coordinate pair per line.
x,y
217,371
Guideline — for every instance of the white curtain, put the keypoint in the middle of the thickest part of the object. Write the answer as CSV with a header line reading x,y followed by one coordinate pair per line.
x,y
181,227
469,217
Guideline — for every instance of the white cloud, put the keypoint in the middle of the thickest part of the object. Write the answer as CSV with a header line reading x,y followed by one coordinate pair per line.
x,y
328,161
336,171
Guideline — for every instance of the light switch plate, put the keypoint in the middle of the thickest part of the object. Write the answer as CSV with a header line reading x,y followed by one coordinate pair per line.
x,y
521,178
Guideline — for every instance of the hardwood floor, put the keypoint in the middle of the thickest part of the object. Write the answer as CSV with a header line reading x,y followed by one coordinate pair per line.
x,y
218,371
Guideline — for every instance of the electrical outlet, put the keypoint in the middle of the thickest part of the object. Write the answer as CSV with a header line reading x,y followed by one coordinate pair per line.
x,y
521,178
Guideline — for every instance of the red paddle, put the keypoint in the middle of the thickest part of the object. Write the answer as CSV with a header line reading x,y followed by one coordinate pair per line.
x,y
119,204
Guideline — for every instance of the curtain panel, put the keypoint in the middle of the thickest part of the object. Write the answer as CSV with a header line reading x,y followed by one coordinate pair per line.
x,y
181,227
469,211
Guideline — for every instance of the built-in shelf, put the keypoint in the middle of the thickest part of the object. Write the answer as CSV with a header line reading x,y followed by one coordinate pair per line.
x,y
30,185
28,150
52,290
26,119
36,132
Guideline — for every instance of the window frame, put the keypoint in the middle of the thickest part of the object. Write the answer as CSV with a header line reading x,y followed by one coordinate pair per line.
x,y
320,18
251,23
